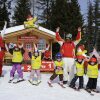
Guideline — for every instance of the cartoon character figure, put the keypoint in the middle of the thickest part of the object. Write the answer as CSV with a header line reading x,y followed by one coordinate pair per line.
x,y
30,22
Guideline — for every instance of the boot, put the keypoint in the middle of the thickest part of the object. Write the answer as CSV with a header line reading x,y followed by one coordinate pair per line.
x,y
65,82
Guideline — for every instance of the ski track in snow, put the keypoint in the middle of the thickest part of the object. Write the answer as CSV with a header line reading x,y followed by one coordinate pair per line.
x,y
26,91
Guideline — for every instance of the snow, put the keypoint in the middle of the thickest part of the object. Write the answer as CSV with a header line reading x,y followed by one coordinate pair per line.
x,y
46,30
26,91
21,27
14,29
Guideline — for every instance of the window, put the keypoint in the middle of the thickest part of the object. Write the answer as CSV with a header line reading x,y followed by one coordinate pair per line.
x,y
28,46
41,45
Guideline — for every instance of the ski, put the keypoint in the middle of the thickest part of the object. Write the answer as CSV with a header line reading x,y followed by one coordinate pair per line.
x,y
37,83
89,92
62,85
10,81
74,88
96,91
18,81
32,83
50,85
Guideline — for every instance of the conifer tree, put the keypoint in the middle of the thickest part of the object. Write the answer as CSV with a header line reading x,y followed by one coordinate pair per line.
x,y
22,9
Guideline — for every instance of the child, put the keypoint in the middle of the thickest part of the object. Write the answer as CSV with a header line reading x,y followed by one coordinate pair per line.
x,y
58,70
17,52
92,73
36,65
47,54
79,72
2,48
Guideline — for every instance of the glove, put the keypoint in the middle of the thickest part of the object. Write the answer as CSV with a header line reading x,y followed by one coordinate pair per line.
x,y
58,28
11,46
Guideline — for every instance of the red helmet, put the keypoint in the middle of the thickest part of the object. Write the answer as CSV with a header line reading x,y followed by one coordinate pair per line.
x,y
80,57
47,54
93,59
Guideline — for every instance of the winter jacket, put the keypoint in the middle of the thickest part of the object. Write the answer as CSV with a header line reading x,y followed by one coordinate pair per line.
x,y
79,69
68,48
59,67
92,71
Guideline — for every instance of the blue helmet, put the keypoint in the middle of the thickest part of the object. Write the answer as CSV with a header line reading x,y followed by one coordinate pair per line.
x,y
59,55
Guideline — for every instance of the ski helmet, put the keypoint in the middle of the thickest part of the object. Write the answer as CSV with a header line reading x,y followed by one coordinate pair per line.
x,y
93,59
80,57
58,55
69,36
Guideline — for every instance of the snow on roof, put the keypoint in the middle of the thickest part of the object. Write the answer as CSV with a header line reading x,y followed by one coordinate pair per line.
x,y
21,27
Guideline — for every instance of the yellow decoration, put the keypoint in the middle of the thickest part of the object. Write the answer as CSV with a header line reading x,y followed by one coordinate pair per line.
x,y
30,23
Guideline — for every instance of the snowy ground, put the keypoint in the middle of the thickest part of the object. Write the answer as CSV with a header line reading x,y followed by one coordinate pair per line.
x,y
26,91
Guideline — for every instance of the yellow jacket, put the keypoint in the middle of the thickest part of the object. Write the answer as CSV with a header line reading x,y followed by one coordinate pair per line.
x,y
92,71
79,69
17,57
36,62
59,66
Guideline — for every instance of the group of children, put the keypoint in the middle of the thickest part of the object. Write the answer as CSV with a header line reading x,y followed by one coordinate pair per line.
x,y
91,70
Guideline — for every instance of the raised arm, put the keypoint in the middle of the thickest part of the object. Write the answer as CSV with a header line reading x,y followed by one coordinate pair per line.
x,y
4,29
58,37
78,37
11,48
20,45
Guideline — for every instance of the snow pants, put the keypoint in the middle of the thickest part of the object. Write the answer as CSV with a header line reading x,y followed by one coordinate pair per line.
x,y
72,84
55,75
92,83
19,70
37,72
69,68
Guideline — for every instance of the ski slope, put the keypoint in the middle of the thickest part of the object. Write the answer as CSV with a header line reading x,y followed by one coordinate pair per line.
x,y
26,91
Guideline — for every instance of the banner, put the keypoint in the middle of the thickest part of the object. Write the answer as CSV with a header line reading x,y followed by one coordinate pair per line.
x,y
46,66
27,38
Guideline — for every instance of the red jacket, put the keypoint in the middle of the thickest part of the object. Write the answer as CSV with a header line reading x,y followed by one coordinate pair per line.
x,y
68,48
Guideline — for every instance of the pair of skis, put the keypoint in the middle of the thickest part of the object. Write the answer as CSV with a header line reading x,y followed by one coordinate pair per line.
x,y
50,85
32,83
90,92
10,81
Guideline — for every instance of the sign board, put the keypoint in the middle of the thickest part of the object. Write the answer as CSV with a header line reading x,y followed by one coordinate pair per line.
x,y
27,38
